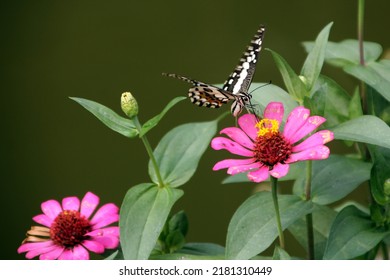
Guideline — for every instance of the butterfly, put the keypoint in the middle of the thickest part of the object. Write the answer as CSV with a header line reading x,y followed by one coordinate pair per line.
x,y
236,86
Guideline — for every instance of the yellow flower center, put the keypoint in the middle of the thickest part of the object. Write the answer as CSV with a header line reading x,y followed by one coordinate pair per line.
x,y
267,127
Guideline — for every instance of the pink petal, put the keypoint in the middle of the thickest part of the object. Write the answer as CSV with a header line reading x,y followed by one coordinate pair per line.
x,y
219,143
109,236
114,231
109,242
80,253
43,220
238,136
310,125
51,208
314,153
71,203
67,254
88,204
93,246
104,211
259,175
53,255
318,138
34,245
279,170
33,253
226,163
243,168
274,111
106,221
295,120
247,123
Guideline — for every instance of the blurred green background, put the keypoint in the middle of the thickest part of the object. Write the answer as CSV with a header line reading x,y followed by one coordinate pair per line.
x,y
52,148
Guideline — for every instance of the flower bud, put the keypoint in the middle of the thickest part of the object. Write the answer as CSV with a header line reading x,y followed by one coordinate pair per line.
x,y
129,104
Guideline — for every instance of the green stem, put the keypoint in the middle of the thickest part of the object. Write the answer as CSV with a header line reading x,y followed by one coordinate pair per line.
x,y
274,186
309,217
360,28
149,150
309,167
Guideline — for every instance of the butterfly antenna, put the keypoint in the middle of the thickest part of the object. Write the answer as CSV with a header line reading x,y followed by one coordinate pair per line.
x,y
267,84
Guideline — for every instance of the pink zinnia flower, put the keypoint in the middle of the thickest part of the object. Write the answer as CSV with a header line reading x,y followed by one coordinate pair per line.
x,y
69,231
268,150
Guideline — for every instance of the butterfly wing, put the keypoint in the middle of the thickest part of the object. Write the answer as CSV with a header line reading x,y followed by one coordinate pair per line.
x,y
237,85
240,79
203,94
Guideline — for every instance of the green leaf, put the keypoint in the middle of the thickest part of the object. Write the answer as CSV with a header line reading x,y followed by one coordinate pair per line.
x,y
336,101
323,218
266,93
375,74
175,240
365,129
176,231
156,119
253,227
179,222
142,216
295,171
280,254
203,249
111,119
352,234
378,105
312,67
293,83
316,103
380,172
346,55
347,52
116,255
195,251
355,105
180,150
334,178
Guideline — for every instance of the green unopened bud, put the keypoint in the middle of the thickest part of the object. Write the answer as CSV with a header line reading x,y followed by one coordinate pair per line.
x,y
129,104
386,187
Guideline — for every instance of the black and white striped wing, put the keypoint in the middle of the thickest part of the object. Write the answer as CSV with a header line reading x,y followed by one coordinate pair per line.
x,y
205,95
241,78
237,85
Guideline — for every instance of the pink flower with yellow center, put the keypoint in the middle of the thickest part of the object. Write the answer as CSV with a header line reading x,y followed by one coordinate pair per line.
x,y
69,230
268,150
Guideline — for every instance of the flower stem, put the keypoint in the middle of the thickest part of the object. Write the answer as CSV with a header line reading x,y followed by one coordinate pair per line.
x,y
309,217
274,186
309,167
360,28
362,85
150,153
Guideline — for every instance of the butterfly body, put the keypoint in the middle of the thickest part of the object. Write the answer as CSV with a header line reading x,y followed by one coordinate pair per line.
x,y
236,86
